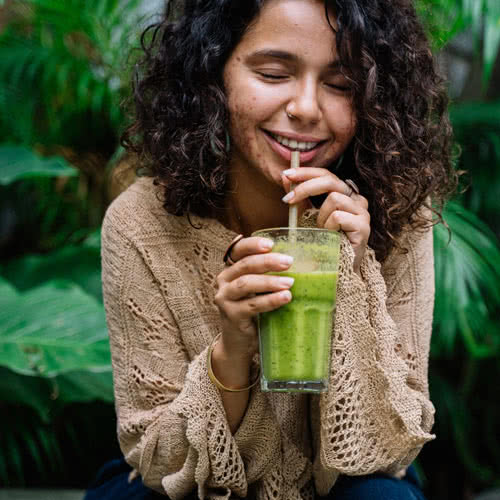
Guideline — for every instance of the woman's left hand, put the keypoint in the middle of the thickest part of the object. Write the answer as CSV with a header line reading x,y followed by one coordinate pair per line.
x,y
339,211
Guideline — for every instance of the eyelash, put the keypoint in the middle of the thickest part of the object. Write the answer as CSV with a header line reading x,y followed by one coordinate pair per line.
x,y
282,77
272,77
339,87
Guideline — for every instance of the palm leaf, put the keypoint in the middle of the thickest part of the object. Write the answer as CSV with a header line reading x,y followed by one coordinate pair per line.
x,y
66,58
467,285
477,128
457,426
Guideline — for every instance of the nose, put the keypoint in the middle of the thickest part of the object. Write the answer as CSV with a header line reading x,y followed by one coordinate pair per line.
x,y
304,105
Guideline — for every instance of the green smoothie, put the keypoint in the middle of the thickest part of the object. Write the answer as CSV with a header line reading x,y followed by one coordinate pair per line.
x,y
295,339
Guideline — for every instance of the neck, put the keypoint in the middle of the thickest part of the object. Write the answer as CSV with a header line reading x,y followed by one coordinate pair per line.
x,y
251,204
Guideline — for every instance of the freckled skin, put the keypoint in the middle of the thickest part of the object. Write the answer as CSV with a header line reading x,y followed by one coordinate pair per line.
x,y
256,103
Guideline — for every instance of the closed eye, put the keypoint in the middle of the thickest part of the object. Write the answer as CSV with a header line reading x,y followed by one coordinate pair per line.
x,y
342,88
272,77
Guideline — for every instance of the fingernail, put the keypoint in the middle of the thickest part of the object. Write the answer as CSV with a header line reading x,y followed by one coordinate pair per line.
x,y
286,281
286,295
288,197
286,260
267,244
290,171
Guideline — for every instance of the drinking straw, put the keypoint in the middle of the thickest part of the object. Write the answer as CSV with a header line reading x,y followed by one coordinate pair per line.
x,y
293,209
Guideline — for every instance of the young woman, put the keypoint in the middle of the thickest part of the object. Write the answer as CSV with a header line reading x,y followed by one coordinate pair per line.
x,y
223,96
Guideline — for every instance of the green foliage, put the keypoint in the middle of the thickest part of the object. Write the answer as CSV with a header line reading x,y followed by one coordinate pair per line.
x,y
445,19
467,267
468,412
64,71
61,452
65,64
52,329
476,127
78,263
18,163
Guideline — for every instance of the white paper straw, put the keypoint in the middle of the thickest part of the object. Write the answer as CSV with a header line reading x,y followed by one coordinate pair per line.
x,y
293,213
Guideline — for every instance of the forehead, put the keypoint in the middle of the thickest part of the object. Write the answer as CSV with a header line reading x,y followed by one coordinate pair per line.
x,y
297,25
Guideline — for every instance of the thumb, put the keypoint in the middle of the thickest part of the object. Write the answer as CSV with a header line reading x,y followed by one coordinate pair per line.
x,y
287,184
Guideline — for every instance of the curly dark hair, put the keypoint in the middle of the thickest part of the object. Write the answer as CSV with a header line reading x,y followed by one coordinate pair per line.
x,y
400,156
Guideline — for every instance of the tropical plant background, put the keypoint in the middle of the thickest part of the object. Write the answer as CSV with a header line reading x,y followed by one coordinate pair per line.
x,y
64,70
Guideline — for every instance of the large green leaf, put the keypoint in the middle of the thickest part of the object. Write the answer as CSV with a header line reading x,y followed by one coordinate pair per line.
x,y
80,264
17,163
84,386
53,329
47,395
467,284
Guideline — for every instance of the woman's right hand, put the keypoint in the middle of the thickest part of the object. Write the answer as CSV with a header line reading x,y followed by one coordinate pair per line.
x,y
244,290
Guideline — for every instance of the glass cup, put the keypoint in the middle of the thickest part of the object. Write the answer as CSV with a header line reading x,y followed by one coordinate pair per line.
x,y
295,338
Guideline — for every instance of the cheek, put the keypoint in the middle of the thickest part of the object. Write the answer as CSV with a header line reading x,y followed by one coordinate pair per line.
x,y
241,128
344,124
248,109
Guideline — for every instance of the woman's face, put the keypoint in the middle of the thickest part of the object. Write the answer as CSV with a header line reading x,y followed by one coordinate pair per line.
x,y
285,91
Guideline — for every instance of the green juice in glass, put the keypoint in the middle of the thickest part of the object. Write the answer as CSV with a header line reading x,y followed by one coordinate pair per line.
x,y
295,339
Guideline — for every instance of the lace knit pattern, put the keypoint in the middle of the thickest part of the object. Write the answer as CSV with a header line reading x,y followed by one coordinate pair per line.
x,y
158,280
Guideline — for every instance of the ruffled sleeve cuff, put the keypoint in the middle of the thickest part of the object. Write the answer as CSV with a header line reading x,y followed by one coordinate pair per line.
x,y
371,420
225,463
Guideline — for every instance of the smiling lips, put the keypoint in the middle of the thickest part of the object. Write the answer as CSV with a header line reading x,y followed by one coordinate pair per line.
x,y
284,146
293,144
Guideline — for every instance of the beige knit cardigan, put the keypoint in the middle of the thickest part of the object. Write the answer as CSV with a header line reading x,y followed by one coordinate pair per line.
x,y
158,279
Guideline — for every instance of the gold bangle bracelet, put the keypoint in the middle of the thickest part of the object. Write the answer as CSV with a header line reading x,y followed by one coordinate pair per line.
x,y
214,379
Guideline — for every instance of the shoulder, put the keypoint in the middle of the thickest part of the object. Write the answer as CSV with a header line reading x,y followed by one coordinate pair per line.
x,y
137,219
413,252
138,214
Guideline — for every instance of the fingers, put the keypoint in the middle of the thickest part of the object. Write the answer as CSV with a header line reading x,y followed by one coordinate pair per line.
x,y
311,182
315,181
250,246
356,227
257,264
338,201
250,307
256,284
244,289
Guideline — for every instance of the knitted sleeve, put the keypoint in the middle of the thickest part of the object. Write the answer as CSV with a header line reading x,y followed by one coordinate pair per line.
x,y
171,423
377,414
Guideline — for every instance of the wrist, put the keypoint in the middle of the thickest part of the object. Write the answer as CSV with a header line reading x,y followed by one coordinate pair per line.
x,y
237,351
232,369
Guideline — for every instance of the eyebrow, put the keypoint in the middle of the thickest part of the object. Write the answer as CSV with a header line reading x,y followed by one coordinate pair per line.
x,y
285,56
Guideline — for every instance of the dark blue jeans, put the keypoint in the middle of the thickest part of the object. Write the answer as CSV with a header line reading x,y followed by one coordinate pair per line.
x,y
112,484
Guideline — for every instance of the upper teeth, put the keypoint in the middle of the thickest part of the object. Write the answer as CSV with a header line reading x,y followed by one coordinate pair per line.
x,y
293,144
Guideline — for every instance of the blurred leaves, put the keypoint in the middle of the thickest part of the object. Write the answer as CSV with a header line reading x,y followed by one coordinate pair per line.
x,y
445,19
476,127
52,329
17,162
63,70
462,420
467,268
78,263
